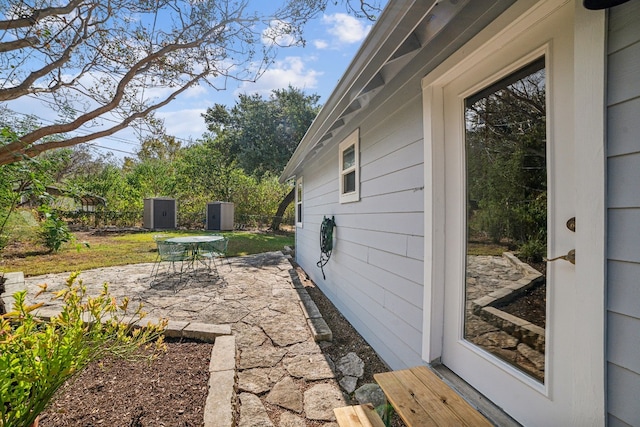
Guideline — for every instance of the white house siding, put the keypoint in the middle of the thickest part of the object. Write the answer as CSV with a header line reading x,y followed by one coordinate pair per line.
x,y
374,275
623,189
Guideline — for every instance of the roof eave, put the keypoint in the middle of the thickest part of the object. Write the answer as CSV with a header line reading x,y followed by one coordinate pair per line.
x,y
392,28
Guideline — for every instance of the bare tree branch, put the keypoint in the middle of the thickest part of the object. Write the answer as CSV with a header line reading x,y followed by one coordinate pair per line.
x,y
39,14
92,60
18,44
20,149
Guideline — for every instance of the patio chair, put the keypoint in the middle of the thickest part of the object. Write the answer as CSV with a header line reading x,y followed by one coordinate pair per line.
x,y
209,251
171,253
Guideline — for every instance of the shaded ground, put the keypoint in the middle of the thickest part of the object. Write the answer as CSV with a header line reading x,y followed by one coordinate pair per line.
x,y
345,338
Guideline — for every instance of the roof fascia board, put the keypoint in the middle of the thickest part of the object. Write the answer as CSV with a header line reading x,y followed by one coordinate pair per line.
x,y
407,82
395,24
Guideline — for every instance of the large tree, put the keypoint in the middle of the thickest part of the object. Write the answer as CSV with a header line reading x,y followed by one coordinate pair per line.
x,y
117,61
261,134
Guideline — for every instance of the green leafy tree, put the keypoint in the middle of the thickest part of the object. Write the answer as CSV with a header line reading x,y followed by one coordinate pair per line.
x,y
90,60
26,180
262,134
153,178
506,163
158,145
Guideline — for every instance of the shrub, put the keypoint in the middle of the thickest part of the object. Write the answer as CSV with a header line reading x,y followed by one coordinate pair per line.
x,y
54,232
533,250
37,357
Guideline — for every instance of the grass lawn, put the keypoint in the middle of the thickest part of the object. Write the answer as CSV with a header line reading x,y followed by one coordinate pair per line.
x,y
120,249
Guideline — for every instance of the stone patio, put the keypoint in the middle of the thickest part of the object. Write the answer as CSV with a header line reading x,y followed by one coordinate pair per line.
x,y
261,298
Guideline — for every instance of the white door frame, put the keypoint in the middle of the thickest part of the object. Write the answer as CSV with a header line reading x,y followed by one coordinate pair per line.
x,y
589,30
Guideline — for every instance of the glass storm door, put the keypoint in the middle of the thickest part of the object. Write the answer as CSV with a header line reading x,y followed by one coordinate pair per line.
x,y
509,203
506,210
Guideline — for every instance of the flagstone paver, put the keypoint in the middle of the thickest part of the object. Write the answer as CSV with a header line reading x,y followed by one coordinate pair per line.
x,y
286,394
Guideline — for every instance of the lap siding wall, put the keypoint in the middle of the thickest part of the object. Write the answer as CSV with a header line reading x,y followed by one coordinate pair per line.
x,y
375,275
623,193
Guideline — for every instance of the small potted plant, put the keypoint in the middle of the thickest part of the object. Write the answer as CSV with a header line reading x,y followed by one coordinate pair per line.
x,y
37,356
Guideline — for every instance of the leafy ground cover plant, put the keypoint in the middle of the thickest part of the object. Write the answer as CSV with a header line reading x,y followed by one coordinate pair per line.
x,y
37,357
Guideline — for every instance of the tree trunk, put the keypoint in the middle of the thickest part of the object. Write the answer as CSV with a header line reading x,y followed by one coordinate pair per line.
x,y
275,223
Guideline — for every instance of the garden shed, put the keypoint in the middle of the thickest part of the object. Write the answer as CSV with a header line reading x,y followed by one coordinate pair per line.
x,y
160,213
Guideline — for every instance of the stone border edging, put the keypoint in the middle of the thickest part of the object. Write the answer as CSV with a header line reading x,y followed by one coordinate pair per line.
x,y
316,323
525,331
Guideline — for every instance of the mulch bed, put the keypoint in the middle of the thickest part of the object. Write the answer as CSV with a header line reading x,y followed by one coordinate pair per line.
x,y
171,391
530,306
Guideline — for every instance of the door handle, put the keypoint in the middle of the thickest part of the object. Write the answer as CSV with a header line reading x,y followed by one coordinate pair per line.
x,y
570,256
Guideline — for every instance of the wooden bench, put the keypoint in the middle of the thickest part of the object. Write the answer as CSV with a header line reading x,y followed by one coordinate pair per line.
x,y
421,398
358,416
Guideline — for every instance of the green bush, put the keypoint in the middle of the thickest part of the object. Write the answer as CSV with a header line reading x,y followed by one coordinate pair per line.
x,y
54,232
533,250
37,357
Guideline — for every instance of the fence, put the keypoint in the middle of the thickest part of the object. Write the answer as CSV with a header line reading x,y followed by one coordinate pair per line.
x,y
260,222
101,219
186,220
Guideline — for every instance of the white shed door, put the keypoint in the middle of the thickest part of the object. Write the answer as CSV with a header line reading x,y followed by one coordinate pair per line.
x,y
509,323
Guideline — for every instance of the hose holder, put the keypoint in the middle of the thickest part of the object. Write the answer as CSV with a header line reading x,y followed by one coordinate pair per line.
x,y
326,242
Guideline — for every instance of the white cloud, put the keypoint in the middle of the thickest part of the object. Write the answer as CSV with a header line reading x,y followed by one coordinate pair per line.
x,y
184,123
345,28
290,71
320,44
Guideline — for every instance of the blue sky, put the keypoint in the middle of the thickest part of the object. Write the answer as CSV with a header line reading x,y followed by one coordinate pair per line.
x,y
332,40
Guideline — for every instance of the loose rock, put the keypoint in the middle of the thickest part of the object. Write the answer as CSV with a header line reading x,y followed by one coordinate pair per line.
x,y
348,383
351,365
370,393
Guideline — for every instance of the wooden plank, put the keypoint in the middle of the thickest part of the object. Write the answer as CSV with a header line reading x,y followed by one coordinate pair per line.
x,y
346,416
421,398
369,416
358,416
429,401
449,397
402,395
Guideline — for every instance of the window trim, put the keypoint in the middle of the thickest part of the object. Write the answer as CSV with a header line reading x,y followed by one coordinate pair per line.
x,y
298,195
353,140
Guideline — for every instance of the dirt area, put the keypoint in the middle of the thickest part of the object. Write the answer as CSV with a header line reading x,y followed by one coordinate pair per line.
x,y
168,391
345,338
530,306
171,390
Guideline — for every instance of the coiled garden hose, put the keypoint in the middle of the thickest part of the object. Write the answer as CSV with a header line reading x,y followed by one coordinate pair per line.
x,y
326,242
